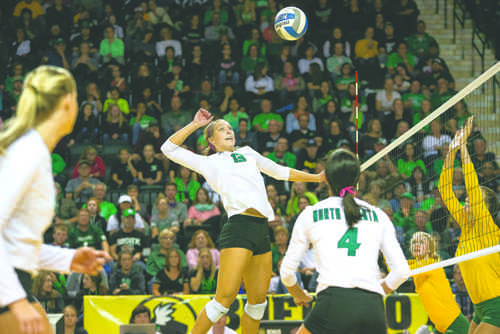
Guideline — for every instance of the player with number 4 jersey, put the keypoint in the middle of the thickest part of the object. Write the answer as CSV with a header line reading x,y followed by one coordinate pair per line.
x,y
347,235
235,174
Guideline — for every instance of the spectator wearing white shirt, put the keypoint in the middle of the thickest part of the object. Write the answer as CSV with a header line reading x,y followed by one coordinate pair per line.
x,y
309,58
166,35
432,143
259,83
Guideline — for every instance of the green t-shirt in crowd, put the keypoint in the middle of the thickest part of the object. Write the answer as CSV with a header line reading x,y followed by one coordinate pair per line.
x,y
58,163
289,159
406,167
191,189
263,119
292,207
107,209
416,100
394,59
156,261
345,81
234,120
93,237
438,166
144,121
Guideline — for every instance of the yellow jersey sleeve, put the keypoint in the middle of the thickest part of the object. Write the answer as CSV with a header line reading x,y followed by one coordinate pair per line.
x,y
481,275
436,296
446,190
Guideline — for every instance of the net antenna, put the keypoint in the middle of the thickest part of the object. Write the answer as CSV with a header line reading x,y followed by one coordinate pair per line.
x,y
357,130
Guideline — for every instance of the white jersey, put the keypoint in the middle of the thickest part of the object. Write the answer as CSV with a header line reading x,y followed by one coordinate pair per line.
x,y
345,257
28,199
235,176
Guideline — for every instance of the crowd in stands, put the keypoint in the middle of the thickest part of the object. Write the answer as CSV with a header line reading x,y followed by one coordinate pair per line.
x,y
144,67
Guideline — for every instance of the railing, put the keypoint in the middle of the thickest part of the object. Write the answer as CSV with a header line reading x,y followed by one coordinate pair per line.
x,y
459,15
477,36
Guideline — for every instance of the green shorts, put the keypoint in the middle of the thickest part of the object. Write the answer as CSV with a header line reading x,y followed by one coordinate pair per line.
x,y
242,231
459,326
343,310
488,312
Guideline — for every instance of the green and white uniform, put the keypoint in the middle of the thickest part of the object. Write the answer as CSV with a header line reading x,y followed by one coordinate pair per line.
x,y
347,264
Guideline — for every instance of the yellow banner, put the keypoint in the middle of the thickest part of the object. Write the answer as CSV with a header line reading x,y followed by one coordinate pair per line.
x,y
176,314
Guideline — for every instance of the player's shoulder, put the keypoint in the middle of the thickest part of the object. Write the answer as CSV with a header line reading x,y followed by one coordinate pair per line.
x,y
29,146
245,149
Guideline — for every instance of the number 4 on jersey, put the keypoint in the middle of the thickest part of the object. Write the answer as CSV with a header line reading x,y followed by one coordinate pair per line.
x,y
350,241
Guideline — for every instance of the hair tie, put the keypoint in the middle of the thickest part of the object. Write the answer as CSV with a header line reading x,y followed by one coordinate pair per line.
x,y
211,146
346,190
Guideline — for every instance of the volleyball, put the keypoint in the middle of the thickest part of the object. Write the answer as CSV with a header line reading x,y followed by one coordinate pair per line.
x,y
290,23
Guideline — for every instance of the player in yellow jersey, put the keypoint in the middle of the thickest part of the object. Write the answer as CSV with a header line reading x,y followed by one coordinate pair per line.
x,y
476,219
434,289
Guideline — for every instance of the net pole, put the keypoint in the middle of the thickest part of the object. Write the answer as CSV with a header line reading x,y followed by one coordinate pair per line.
x,y
455,260
357,130
423,123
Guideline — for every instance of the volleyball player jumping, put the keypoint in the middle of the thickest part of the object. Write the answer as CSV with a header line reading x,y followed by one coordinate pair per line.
x,y
234,173
477,222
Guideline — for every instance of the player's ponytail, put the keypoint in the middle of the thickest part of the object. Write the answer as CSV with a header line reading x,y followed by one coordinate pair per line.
x,y
43,89
352,210
342,173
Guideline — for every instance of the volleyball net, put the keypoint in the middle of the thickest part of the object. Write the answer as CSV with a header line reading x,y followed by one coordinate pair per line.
x,y
423,194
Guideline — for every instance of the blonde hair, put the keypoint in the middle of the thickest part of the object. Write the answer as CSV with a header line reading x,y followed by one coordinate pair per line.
x,y
159,198
209,132
432,251
165,232
121,118
43,89
86,151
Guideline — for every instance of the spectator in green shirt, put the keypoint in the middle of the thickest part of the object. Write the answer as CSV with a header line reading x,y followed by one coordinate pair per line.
x,y
443,92
413,99
400,56
85,234
107,208
346,77
140,122
187,186
250,60
116,99
299,189
408,162
156,260
419,43
261,120
405,216
281,155
236,112
112,47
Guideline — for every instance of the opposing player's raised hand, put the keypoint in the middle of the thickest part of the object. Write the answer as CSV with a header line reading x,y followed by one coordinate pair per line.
x,y
202,117
457,140
468,126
